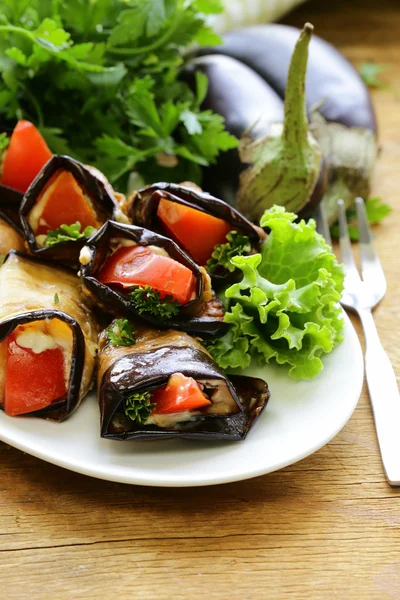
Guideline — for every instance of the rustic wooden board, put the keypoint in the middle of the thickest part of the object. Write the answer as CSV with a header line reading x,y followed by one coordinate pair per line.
x,y
326,527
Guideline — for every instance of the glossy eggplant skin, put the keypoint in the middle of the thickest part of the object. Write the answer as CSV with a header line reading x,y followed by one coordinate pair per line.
x,y
143,211
146,371
64,408
10,202
331,78
196,316
105,204
246,102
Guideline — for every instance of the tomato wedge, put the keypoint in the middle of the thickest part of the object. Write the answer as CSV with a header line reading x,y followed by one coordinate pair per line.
x,y
139,265
181,393
63,202
33,381
26,154
196,231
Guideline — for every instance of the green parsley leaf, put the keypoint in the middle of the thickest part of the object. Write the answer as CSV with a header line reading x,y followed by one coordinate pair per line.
x,y
4,142
138,407
376,210
237,245
147,300
371,72
67,233
191,122
147,17
120,333
209,7
56,299
2,259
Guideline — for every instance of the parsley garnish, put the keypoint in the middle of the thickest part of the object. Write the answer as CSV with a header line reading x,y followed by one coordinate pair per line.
x,y
2,259
370,73
4,142
237,245
376,211
138,407
120,333
146,299
66,233
120,61
56,298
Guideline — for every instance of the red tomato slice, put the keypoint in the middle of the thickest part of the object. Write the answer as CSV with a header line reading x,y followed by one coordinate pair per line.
x,y
26,154
65,204
196,231
33,381
139,265
181,393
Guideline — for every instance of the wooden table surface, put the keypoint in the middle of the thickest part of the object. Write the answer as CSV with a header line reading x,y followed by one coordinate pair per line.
x,y
326,527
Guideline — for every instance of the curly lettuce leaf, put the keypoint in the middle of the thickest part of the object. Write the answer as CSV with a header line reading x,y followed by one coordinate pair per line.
x,y
286,307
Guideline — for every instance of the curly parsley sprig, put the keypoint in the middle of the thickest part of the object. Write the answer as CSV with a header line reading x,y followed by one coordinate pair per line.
x,y
147,300
120,333
138,407
237,244
67,233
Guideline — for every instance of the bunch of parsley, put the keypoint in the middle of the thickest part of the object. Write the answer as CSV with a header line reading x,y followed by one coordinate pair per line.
x,y
101,79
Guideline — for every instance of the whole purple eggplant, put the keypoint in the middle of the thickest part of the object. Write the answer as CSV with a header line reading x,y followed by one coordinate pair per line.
x,y
331,78
244,100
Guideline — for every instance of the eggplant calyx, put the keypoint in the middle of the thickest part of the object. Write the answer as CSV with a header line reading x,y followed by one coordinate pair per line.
x,y
350,154
285,165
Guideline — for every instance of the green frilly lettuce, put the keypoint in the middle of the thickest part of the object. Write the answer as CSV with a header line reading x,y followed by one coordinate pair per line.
x,y
286,307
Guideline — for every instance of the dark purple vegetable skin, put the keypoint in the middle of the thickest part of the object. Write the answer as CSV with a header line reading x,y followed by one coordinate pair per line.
x,y
146,372
244,100
268,48
203,324
10,201
58,411
66,253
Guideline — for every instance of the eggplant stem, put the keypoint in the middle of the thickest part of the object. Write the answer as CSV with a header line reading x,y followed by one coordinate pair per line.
x,y
295,129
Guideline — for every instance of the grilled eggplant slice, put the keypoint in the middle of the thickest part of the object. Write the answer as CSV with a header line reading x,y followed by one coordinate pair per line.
x,y
131,379
48,339
178,211
203,313
64,193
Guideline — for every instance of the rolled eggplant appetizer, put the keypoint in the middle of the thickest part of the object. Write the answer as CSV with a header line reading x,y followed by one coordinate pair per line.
x,y
48,339
134,272
162,384
66,204
207,228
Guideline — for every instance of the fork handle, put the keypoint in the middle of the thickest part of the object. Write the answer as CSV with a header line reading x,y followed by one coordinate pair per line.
x,y
385,398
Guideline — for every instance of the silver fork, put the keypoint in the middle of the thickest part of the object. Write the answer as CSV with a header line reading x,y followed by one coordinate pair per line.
x,y
361,296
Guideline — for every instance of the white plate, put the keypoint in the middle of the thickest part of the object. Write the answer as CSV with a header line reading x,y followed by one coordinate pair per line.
x,y
300,418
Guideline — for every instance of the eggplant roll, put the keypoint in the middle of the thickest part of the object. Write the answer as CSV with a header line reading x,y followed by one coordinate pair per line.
x,y
131,271
63,206
48,339
167,385
196,221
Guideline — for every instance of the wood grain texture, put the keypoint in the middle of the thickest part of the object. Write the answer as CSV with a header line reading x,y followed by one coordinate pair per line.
x,y
327,527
